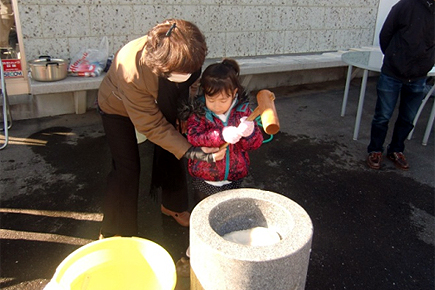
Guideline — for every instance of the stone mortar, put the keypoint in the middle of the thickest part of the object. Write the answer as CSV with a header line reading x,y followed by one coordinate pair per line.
x,y
220,264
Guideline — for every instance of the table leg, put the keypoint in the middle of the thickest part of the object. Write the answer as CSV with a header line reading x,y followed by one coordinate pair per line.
x,y
80,102
423,103
360,104
245,83
7,117
429,124
346,90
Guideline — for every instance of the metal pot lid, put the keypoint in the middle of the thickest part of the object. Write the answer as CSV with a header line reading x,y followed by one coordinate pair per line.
x,y
44,59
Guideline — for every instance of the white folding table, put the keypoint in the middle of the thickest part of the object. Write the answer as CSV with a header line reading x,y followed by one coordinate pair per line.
x,y
372,61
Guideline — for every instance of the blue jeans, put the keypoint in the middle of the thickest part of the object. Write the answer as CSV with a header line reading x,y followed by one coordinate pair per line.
x,y
389,89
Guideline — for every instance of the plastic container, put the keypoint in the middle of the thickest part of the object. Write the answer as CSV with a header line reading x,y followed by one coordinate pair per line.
x,y
116,263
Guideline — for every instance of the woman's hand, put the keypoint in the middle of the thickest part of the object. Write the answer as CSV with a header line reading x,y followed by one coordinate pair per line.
x,y
207,154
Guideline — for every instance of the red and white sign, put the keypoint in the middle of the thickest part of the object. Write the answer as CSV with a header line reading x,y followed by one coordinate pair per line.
x,y
12,68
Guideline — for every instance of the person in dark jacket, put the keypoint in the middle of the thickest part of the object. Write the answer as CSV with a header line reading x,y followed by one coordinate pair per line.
x,y
219,117
407,40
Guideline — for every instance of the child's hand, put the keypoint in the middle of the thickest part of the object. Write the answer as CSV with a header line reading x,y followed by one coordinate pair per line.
x,y
210,149
231,134
245,127
217,154
220,154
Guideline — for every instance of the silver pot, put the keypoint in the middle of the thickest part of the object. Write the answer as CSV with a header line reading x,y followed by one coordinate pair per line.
x,y
46,69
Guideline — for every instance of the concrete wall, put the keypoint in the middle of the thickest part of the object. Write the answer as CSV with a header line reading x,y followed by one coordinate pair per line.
x,y
233,28
60,28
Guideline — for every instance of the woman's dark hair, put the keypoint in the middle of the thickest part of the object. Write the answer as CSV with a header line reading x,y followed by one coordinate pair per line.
x,y
223,76
175,45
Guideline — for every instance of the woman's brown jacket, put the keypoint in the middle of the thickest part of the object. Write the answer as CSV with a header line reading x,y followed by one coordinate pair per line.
x,y
130,89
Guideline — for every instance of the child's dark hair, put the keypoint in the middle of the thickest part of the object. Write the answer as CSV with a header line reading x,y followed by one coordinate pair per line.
x,y
215,78
222,76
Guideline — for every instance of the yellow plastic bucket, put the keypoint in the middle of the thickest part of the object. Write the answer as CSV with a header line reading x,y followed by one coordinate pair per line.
x,y
116,263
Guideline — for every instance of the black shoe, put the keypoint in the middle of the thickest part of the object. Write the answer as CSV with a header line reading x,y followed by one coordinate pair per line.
x,y
399,160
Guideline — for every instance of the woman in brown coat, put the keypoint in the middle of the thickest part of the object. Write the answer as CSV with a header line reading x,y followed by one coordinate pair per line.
x,y
129,98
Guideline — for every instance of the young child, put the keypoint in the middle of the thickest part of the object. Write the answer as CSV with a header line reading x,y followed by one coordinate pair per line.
x,y
219,117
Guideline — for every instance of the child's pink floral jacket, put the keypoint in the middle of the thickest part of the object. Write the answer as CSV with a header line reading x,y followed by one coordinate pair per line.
x,y
206,131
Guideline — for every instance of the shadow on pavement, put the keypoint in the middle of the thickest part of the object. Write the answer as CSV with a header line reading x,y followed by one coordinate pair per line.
x,y
372,229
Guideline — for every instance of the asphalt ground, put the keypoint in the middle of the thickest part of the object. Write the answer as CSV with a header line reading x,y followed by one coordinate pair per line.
x,y
372,229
